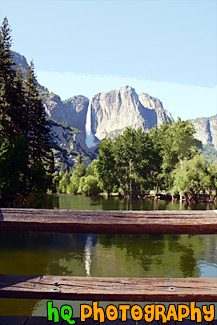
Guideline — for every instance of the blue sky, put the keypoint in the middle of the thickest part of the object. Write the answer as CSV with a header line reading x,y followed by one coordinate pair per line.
x,y
165,48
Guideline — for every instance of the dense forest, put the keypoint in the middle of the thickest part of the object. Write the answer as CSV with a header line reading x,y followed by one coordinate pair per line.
x,y
166,160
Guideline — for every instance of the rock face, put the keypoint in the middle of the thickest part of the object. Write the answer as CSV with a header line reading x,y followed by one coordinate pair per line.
x,y
20,60
67,142
112,111
73,111
156,106
109,113
115,110
68,128
206,129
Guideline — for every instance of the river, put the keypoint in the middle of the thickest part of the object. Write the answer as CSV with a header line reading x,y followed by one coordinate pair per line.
x,y
166,256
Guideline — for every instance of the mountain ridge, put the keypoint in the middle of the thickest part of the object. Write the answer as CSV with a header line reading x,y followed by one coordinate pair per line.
x,y
110,113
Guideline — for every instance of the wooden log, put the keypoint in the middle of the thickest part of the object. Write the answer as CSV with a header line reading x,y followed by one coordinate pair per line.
x,y
108,289
109,222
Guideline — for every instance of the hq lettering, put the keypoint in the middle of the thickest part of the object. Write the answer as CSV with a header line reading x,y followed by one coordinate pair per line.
x,y
53,314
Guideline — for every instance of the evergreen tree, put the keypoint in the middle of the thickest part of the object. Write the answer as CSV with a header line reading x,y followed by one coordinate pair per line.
x,y
40,157
26,159
12,138
21,113
7,89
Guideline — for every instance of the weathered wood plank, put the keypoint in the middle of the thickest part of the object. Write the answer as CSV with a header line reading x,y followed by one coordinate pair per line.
x,y
122,222
108,289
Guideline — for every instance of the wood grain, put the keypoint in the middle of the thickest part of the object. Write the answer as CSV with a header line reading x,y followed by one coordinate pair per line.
x,y
108,289
109,222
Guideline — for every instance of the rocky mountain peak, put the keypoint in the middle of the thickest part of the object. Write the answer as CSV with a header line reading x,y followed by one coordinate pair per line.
x,y
77,103
114,110
20,60
150,102
206,129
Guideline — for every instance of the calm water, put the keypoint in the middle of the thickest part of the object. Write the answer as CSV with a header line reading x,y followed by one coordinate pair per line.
x,y
103,255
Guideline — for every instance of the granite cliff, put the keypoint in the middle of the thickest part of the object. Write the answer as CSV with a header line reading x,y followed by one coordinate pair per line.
x,y
79,124
113,111
206,128
109,113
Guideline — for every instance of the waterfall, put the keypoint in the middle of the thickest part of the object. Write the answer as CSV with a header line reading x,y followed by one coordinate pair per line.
x,y
89,135
87,254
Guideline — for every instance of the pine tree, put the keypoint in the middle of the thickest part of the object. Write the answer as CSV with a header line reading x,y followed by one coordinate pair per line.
x,y
21,113
12,140
7,89
26,159
40,154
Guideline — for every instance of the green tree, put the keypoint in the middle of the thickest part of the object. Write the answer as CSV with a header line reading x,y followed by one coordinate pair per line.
x,y
177,143
134,158
64,182
156,170
78,171
26,159
192,178
12,167
13,141
92,169
89,185
212,170
106,165
20,114
40,156
7,85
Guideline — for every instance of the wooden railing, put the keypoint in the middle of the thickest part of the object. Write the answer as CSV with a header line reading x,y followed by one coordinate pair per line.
x,y
109,222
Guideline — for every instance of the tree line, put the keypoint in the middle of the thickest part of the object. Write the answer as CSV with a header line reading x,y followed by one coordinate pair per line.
x,y
26,159
137,163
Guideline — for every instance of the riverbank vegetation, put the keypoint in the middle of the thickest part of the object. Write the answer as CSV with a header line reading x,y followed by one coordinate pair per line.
x,y
137,163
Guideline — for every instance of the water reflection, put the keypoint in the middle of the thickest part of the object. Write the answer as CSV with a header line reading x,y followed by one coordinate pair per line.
x,y
72,202
105,255
91,240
